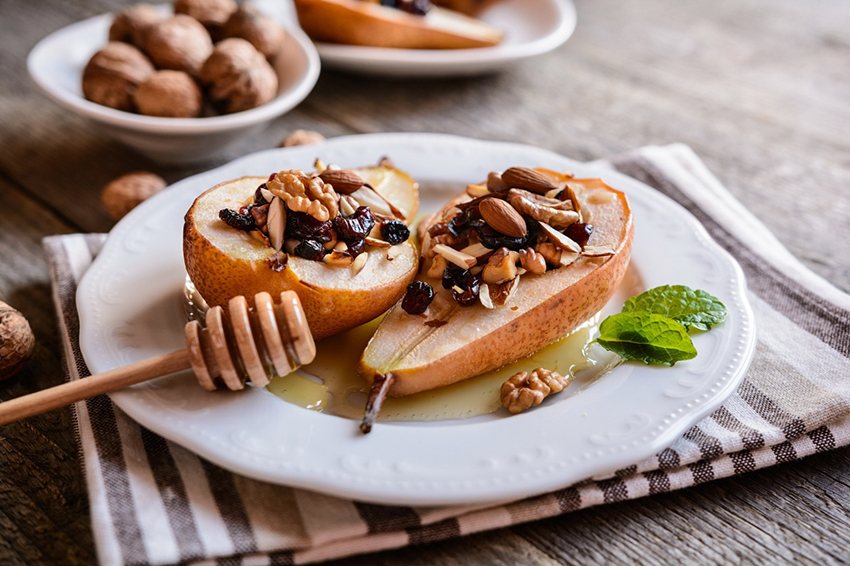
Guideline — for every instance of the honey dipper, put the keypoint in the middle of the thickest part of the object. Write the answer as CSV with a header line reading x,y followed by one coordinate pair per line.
x,y
272,338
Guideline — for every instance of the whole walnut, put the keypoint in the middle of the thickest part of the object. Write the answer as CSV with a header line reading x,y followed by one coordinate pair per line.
x,y
16,341
211,13
238,77
131,24
171,94
113,74
123,194
258,29
179,43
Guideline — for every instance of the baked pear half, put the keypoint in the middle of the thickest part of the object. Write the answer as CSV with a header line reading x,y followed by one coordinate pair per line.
x,y
508,268
407,24
338,238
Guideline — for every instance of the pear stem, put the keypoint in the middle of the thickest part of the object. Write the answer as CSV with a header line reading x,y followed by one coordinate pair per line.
x,y
380,386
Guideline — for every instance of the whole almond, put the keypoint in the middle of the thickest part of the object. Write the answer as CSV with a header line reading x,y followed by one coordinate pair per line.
x,y
342,180
503,218
528,179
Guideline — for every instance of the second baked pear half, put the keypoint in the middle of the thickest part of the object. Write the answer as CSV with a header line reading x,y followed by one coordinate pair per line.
x,y
338,238
508,268
407,24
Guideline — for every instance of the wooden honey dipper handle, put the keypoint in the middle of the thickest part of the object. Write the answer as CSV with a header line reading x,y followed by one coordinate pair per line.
x,y
251,343
73,391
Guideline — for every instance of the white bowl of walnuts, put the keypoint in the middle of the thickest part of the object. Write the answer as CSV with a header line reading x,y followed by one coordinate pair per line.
x,y
178,83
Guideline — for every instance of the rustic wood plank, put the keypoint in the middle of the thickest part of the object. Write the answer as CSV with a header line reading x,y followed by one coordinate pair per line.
x,y
42,494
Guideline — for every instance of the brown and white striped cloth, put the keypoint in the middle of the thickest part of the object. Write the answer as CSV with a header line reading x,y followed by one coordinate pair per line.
x,y
153,502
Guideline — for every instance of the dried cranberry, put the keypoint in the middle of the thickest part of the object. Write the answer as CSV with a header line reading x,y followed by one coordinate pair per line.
x,y
470,286
394,231
259,199
356,248
236,220
452,275
354,227
419,295
579,233
462,222
302,226
310,249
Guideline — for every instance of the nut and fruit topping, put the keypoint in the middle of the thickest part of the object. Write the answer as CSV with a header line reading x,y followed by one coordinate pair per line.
x,y
311,216
523,391
419,295
484,244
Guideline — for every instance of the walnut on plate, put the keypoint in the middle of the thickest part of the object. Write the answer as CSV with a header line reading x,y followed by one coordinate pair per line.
x,y
523,391
238,77
113,74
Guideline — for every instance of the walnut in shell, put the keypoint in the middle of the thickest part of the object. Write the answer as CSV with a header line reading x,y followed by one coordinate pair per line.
x,y
179,43
238,77
113,74
171,94
301,137
16,341
211,13
131,24
258,29
126,192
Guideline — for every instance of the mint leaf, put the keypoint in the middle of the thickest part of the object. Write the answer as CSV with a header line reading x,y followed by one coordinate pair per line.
x,y
693,308
648,337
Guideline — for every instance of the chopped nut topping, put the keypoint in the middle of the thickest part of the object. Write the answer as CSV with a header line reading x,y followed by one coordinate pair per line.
x,y
501,267
532,261
523,391
302,193
555,214
437,267
560,239
456,257
550,253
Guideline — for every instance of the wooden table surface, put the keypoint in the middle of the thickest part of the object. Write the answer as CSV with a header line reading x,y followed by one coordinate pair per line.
x,y
759,88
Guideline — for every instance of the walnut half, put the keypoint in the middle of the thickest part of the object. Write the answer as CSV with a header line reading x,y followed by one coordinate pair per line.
x,y
303,193
523,391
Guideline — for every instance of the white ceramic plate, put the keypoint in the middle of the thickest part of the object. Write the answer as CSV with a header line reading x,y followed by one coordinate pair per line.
x,y
130,309
531,27
56,65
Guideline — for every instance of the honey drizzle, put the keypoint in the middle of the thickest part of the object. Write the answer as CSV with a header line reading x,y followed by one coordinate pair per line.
x,y
330,384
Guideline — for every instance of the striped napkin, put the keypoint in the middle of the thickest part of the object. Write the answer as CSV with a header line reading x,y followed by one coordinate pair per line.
x,y
153,502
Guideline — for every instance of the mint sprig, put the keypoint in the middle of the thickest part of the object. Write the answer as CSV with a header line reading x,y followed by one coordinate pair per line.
x,y
648,337
653,327
693,308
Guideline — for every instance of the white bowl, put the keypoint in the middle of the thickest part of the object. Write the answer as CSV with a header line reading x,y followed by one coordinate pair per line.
x,y
57,62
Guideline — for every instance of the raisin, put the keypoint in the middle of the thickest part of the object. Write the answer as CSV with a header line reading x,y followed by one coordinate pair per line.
x,y
579,233
259,199
356,248
417,298
310,249
470,286
438,229
462,222
452,275
236,220
302,226
495,240
416,7
394,231
355,227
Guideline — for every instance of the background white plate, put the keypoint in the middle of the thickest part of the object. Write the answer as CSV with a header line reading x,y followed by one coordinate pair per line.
x,y
130,309
531,28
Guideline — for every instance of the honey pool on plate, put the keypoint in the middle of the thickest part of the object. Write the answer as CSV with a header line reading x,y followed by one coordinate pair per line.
x,y
330,384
